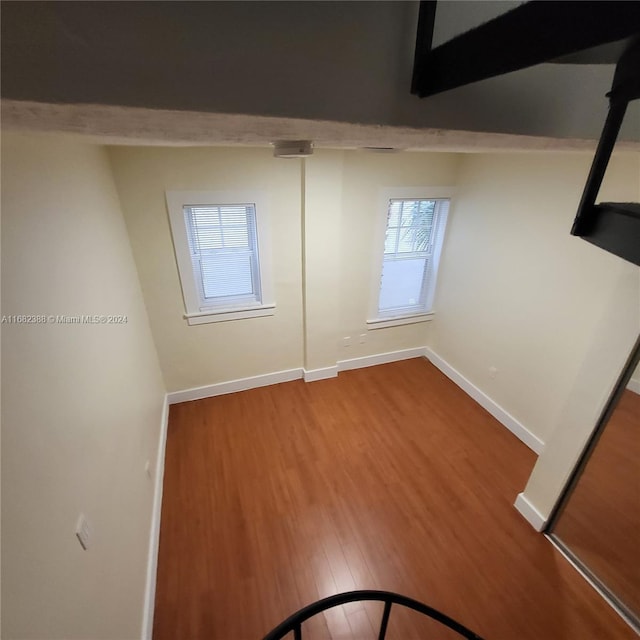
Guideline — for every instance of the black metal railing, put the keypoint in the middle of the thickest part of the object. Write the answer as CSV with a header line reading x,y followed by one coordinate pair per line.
x,y
294,622
613,226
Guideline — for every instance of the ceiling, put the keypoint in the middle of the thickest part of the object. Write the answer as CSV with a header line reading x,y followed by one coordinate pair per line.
x,y
251,72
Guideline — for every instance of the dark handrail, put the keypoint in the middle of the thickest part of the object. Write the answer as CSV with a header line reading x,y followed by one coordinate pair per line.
x,y
294,622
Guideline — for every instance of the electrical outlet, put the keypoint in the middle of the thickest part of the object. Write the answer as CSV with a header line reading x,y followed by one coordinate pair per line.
x,y
346,341
83,531
147,468
493,372
363,338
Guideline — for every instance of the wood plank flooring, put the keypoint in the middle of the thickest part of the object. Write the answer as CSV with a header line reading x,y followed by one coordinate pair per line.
x,y
388,477
601,522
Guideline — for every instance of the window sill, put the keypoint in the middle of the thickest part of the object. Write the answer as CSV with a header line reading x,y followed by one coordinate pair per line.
x,y
396,321
224,315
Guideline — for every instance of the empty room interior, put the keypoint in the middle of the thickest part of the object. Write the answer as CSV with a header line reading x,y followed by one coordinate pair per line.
x,y
284,318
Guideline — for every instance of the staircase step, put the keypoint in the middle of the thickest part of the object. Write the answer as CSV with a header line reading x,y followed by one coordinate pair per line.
x,y
615,227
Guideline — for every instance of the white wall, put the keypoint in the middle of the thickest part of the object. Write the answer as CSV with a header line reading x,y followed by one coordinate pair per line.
x,y
322,216
518,293
615,329
342,210
82,404
193,356
365,176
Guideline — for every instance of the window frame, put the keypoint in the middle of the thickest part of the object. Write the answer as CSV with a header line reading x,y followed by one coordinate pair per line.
x,y
375,319
194,312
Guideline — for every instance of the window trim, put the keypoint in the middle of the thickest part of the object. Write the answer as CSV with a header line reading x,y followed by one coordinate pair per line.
x,y
385,195
176,200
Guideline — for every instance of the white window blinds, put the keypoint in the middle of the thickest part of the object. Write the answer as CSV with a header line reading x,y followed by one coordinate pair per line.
x,y
223,246
413,239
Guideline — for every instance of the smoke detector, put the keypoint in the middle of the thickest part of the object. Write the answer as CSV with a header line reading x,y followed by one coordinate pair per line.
x,y
292,148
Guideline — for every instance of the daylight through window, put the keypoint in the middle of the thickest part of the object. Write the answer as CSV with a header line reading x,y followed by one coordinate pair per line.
x,y
222,250
224,254
413,239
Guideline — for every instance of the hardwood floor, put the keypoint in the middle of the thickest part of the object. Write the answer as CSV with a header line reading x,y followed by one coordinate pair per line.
x,y
388,477
601,521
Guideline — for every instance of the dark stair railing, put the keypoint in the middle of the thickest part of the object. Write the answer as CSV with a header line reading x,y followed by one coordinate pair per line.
x,y
294,622
613,226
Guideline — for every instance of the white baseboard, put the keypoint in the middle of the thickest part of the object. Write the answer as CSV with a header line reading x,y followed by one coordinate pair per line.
x,y
198,393
634,385
154,537
364,361
380,358
530,513
312,375
517,428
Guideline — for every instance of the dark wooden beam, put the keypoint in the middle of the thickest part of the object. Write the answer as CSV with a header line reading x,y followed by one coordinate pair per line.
x,y
424,40
533,33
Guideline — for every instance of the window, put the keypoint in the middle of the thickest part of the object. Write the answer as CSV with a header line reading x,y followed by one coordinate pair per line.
x,y
413,236
221,250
